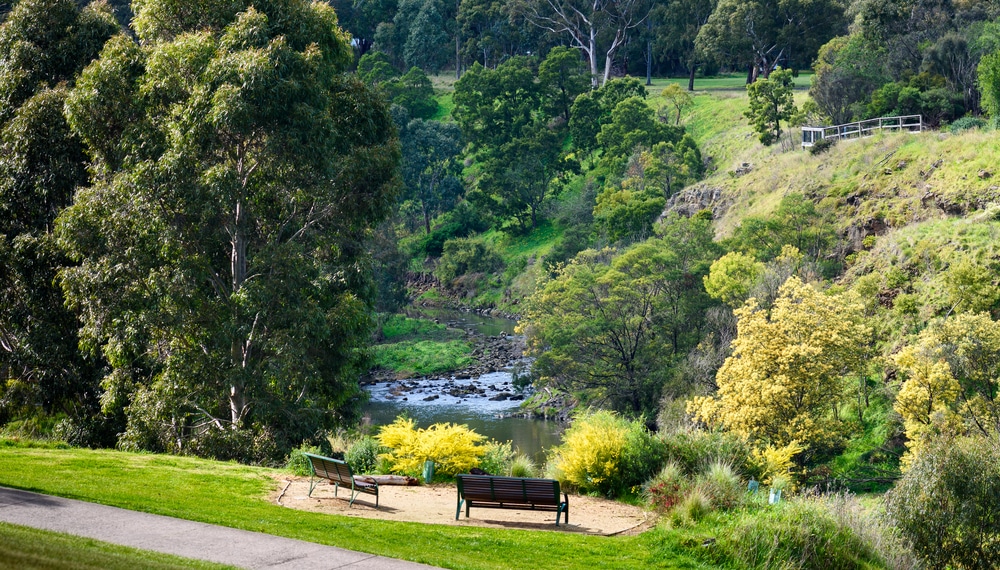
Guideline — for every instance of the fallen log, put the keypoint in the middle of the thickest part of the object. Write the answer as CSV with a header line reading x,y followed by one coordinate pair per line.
x,y
401,480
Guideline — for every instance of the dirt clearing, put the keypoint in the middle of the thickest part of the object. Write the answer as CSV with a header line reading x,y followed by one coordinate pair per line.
x,y
436,504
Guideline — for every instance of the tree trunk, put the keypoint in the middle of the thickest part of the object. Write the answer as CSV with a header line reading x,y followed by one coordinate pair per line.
x,y
692,67
427,220
649,53
592,56
458,52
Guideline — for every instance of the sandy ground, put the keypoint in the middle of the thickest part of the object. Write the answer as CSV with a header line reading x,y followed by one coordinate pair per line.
x,y
436,504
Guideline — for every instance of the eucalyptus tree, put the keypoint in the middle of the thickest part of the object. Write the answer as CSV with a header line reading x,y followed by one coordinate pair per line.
x,y
610,326
562,77
432,152
519,177
236,172
763,33
43,46
675,26
490,33
595,27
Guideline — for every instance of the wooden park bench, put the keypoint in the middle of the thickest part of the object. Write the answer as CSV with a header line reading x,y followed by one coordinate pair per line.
x,y
339,473
519,493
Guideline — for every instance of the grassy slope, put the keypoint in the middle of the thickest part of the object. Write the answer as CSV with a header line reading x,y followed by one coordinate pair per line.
x,y
23,548
416,347
234,495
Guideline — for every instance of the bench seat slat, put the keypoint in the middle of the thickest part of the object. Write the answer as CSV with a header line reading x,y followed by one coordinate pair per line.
x,y
338,473
485,491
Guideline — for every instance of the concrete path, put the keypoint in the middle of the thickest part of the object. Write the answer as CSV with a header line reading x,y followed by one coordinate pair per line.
x,y
182,538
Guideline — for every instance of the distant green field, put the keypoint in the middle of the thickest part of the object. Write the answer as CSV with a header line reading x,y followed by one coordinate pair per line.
x,y
725,82
24,548
445,83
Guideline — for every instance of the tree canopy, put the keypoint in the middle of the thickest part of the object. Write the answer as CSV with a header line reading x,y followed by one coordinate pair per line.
x,y
43,46
782,381
220,269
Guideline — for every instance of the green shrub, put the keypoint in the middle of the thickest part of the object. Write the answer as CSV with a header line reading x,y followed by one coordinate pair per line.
x,y
461,222
298,463
605,453
821,146
800,534
667,488
966,123
363,455
463,256
946,504
497,458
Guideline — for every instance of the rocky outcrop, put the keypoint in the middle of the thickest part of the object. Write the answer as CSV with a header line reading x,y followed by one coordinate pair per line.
x,y
697,198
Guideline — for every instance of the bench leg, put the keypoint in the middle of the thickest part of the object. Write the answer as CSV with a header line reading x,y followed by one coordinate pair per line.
x,y
458,511
336,487
312,485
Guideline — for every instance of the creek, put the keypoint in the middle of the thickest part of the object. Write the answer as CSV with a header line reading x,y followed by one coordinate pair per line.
x,y
488,404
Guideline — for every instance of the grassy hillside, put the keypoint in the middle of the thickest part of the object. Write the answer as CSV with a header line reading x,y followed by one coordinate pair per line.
x,y
889,180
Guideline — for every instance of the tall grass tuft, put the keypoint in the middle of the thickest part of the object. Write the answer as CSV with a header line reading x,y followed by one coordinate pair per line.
x,y
666,489
523,466
872,527
800,534
695,506
721,485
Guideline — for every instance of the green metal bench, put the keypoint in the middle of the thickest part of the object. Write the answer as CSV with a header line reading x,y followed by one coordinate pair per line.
x,y
339,473
487,491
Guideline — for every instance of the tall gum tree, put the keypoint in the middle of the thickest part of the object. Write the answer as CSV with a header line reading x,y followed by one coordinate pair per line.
x,y
595,27
237,172
44,44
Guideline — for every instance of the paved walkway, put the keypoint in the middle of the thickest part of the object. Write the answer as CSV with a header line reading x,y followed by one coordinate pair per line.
x,y
182,538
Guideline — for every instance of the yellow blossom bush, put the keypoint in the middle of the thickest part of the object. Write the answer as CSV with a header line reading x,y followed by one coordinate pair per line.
x,y
453,448
775,463
784,375
926,399
951,375
604,452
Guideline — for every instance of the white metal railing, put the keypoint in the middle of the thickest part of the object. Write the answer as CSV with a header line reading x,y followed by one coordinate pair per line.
x,y
859,129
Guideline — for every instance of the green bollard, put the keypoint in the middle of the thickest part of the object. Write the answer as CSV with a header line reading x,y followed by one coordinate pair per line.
x,y
428,471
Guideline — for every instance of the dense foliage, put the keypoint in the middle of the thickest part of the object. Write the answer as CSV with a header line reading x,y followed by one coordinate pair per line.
x,y
44,44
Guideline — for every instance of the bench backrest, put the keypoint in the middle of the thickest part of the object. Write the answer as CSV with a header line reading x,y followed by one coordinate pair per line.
x,y
328,468
508,489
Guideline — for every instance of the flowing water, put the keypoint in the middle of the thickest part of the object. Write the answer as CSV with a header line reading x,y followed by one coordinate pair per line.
x,y
474,402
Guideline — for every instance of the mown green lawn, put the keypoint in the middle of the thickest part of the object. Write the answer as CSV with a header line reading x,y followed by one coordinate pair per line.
x,y
235,495
23,548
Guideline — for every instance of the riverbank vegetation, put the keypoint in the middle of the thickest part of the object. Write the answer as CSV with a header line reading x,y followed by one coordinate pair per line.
x,y
201,251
